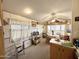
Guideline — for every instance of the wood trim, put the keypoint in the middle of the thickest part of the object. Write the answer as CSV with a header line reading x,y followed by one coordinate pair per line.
x,y
1,33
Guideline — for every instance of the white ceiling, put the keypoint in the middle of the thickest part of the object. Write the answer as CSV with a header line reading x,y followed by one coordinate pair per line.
x,y
41,8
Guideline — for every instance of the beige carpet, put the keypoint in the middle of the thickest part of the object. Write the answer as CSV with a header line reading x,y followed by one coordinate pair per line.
x,y
40,51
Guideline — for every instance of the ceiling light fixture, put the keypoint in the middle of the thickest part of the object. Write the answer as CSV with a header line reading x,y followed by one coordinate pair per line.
x,y
28,11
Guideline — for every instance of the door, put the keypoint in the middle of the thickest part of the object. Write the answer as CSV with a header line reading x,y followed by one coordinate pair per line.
x,y
1,33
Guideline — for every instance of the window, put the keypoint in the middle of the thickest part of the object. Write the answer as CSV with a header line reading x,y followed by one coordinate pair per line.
x,y
58,29
19,30
62,27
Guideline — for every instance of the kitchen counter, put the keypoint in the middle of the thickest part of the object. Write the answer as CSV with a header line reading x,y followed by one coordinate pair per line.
x,y
62,42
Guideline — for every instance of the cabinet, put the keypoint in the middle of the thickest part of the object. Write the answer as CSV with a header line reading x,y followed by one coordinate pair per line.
x,y
61,52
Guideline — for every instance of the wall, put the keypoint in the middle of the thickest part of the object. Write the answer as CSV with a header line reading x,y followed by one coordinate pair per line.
x,y
7,15
75,13
45,28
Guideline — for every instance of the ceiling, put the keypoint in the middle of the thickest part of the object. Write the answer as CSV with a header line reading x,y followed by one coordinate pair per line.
x,y
41,8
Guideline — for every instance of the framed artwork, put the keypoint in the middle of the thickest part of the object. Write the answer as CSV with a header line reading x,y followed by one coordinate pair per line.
x,y
77,18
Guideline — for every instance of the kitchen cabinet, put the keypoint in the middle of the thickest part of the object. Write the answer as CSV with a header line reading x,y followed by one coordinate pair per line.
x,y
61,52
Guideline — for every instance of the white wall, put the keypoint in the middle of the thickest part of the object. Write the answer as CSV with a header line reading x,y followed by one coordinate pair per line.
x,y
75,13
